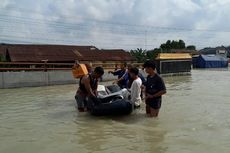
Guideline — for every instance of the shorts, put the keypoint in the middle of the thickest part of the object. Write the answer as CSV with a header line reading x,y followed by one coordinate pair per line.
x,y
81,101
154,103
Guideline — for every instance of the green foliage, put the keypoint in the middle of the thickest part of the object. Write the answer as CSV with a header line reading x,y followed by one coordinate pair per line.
x,y
191,47
172,45
143,55
139,54
152,54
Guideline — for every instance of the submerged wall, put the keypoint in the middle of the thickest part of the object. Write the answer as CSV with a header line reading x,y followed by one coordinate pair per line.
x,y
33,79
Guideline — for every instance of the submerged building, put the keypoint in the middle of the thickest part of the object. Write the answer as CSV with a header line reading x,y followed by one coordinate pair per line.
x,y
209,61
173,63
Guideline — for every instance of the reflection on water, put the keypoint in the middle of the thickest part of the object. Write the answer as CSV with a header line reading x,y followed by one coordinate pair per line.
x,y
194,118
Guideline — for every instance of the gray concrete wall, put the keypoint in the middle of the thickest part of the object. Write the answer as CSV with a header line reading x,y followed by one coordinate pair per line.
x,y
1,80
33,79
59,77
23,79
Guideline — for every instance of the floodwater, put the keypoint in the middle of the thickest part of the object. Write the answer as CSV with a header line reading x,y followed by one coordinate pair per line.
x,y
195,117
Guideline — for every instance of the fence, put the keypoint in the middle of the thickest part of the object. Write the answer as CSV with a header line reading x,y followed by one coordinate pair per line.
x,y
17,74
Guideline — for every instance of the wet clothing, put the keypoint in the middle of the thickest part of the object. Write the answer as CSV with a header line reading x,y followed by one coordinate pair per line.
x,y
81,102
82,93
154,103
153,85
93,84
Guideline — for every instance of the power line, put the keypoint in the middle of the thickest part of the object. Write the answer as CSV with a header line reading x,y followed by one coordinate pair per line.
x,y
110,29
27,11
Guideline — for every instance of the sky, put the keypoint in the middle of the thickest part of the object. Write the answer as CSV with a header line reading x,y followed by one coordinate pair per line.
x,y
124,24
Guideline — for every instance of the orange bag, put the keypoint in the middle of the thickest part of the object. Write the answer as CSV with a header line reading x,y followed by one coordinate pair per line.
x,y
79,71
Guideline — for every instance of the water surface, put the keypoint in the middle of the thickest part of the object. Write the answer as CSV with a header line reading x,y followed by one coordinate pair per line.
x,y
195,117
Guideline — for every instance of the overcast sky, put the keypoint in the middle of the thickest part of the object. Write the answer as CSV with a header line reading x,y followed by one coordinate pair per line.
x,y
126,24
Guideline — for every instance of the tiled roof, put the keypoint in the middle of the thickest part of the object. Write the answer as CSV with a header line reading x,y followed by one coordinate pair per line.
x,y
62,53
116,55
37,53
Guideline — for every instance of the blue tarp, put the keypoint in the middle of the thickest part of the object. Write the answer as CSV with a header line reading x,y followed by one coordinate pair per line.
x,y
210,61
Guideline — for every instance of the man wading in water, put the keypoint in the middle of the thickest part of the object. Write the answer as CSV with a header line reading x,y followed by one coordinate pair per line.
x,y
154,89
88,88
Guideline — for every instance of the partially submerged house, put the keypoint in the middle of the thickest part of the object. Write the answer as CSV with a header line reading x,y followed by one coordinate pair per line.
x,y
173,63
210,61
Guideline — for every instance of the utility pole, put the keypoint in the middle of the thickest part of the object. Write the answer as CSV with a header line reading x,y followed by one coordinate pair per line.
x,y
145,38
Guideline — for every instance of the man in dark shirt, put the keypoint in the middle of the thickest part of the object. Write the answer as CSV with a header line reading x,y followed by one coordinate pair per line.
x,y
154,89
88,88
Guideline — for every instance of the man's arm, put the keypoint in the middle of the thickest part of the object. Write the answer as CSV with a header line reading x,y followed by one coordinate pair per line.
x,y
115,72
95,91
158,94
125,76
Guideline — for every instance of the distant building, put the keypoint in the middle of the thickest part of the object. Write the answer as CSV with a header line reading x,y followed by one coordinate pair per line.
x,y
210,61
222,51
191,52
3,53
173,63
62,54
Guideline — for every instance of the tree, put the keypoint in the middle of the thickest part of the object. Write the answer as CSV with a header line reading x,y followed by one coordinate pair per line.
x,y
191,47
166,47
139,54
181,44
152,54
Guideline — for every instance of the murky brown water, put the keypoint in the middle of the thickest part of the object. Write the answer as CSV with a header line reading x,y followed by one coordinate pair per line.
x,y
195,117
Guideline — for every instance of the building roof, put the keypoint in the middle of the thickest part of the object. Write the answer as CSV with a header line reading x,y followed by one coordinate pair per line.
x,y
116,55
87,53
173,56
213,50
63,53
2,51
192,52
37,53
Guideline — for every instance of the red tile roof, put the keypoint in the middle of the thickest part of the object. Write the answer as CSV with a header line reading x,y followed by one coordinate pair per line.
x,y
62,53
37,53
116,55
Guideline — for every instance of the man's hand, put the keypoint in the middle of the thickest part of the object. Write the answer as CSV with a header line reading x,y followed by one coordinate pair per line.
x,y
115,82
148,96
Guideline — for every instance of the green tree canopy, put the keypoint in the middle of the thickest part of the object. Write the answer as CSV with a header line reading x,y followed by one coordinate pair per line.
x,y
139,54
191,47
172,45
143,55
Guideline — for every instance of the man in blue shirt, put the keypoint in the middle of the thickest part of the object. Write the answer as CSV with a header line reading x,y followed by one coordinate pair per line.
x,y
122,74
